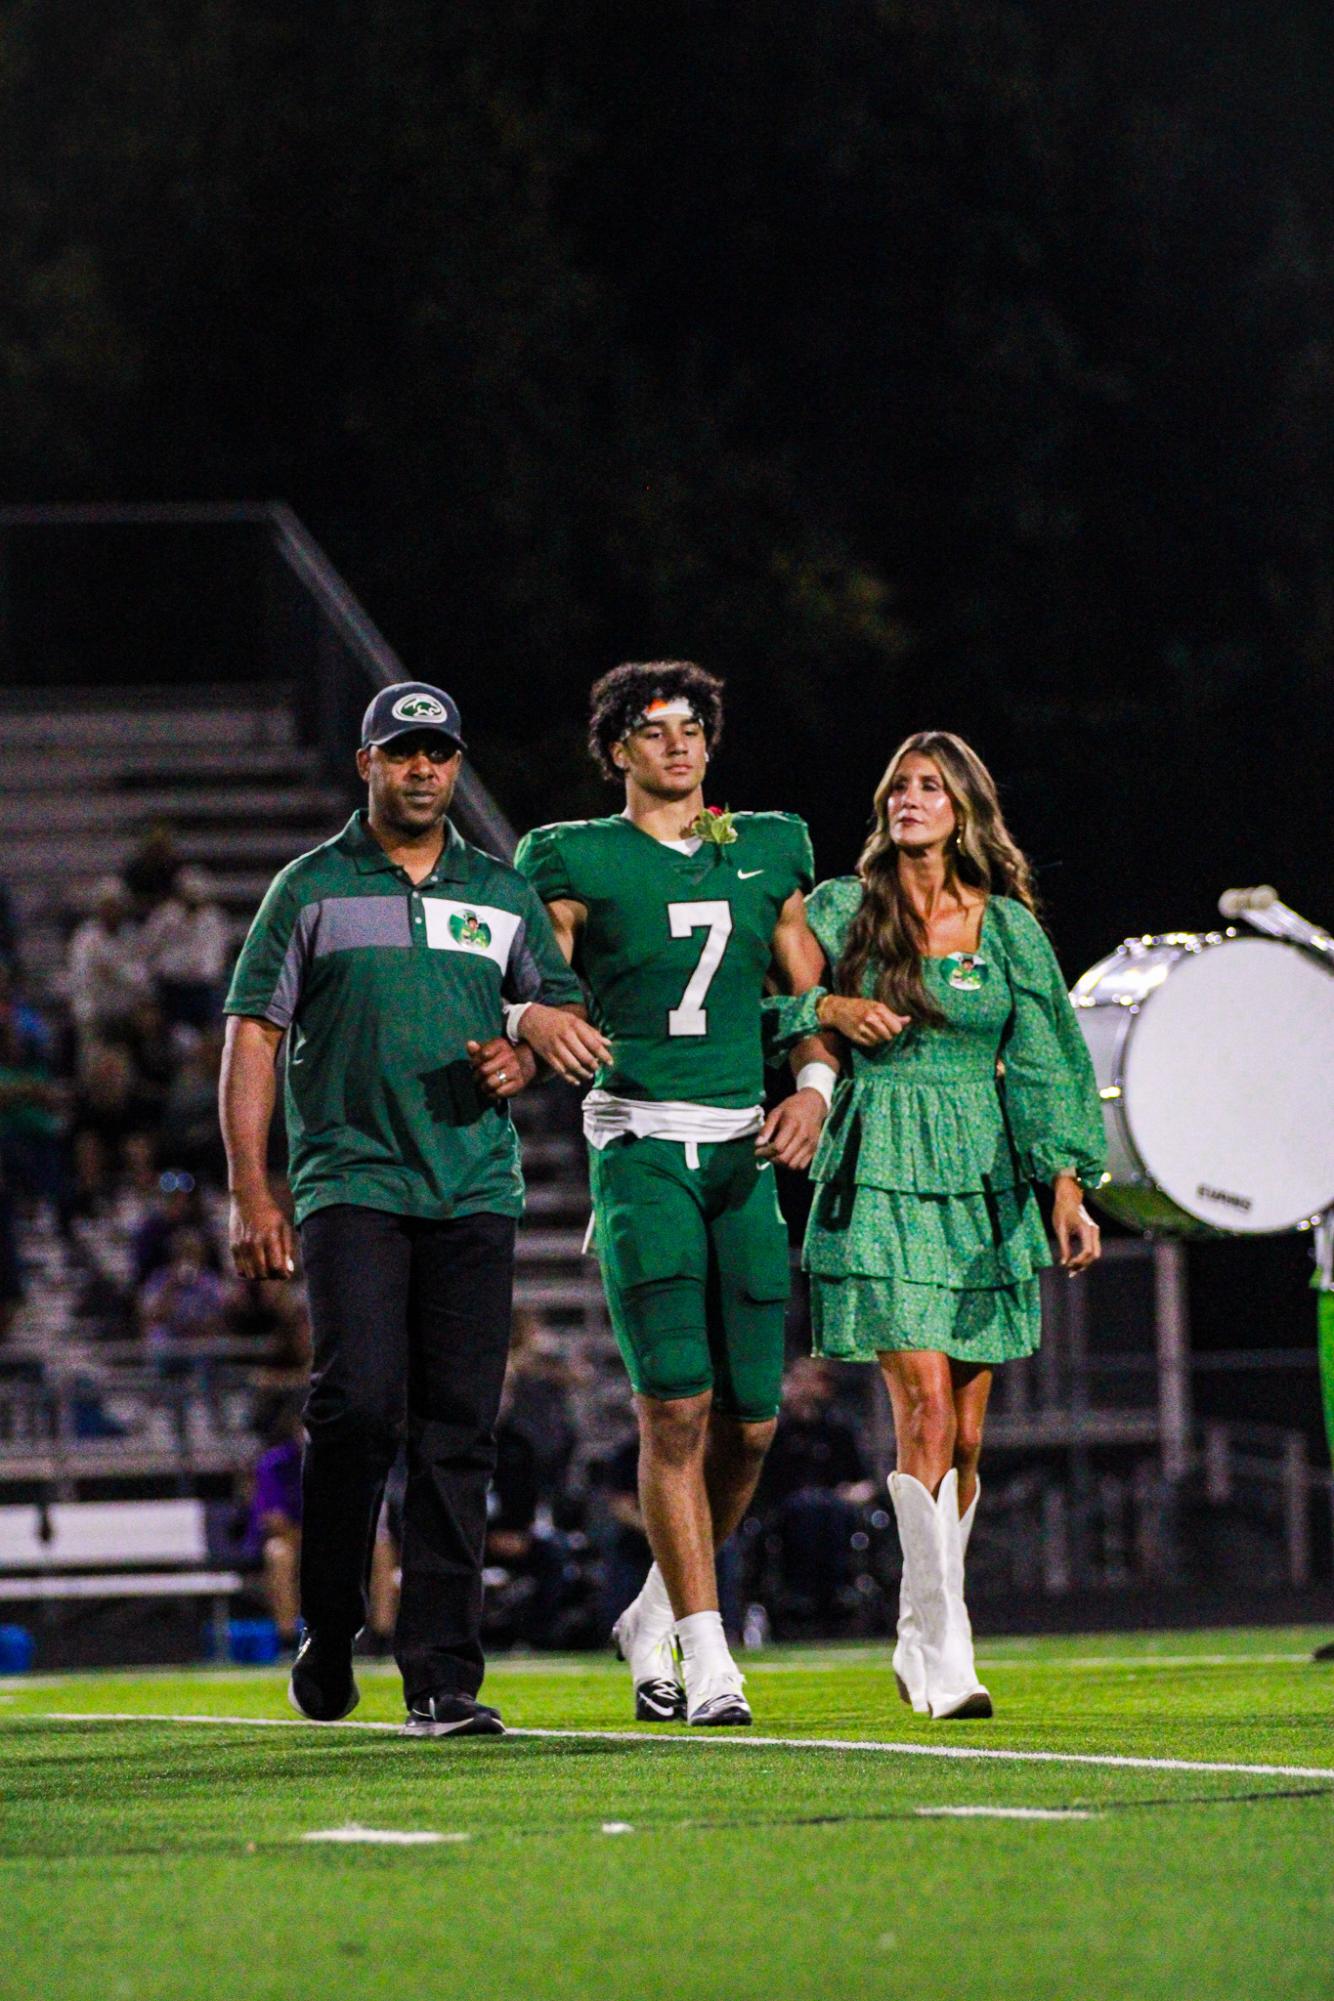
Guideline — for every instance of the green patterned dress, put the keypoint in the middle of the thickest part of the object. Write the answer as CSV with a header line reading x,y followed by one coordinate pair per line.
x,y
925,1231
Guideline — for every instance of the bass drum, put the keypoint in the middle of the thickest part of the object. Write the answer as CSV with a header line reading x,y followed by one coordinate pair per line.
x,y
1214,1057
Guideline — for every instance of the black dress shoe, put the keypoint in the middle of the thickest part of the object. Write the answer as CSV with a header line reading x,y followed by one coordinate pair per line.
x,y
448,1715
322,1688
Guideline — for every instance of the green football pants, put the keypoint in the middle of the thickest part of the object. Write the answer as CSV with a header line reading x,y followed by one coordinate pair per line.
x,y
695,1269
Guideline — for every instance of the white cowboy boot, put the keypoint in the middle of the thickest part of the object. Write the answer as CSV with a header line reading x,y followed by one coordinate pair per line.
x,y
956,1690
909,1668
918,1657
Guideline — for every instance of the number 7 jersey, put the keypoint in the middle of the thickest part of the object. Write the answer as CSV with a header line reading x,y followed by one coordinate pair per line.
x,y
674,948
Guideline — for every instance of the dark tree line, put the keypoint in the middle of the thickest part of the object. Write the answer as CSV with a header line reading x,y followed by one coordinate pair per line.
x,y
910,362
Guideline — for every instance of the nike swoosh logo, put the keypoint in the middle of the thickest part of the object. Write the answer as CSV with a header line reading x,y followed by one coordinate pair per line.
x,y
745,874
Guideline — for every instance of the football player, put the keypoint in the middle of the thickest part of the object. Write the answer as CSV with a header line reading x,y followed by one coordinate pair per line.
x,y
675,915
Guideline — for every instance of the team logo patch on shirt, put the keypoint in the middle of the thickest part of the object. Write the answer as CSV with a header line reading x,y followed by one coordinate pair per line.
x,y
478,929
966,971
469,930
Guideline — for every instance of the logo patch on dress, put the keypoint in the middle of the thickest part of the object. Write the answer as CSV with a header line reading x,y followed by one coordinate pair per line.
x,y
467,927
966,971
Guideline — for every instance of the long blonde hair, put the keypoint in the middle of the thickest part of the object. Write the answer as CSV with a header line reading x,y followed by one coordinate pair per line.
x,y
981,855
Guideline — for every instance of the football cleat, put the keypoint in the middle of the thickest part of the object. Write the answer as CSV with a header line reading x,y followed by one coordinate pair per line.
x,y
719,1702
322,1687
659,1696
449,1715
659,1700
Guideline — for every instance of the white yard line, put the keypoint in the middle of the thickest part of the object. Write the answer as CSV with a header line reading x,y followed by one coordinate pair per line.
x,y
710,1739
386,1837
1004,1813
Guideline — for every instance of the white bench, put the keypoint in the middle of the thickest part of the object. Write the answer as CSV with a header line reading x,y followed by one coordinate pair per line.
x,y
112,1549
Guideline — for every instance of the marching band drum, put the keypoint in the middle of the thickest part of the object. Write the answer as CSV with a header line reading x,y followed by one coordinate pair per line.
x,y
1214,1055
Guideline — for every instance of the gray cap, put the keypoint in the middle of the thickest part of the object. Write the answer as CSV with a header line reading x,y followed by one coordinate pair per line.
x,y
410,705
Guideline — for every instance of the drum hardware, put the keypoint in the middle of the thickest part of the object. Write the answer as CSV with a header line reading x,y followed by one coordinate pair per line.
x,y
1262,909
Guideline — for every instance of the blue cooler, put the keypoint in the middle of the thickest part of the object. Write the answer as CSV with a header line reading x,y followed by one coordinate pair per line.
x,y
18,1649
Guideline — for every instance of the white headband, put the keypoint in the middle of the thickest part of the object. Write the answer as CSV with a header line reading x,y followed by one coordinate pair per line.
x,y
663,706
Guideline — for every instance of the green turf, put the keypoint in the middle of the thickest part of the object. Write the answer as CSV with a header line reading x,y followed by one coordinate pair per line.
x,y
165,1859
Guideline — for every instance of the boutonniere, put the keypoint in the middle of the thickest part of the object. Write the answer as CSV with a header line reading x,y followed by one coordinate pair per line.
x,y
714,826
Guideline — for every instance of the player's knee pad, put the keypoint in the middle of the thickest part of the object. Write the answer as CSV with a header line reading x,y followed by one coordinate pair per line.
x,y
664,1323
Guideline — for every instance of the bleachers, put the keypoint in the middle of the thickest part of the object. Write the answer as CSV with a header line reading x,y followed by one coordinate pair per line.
x,y
79,786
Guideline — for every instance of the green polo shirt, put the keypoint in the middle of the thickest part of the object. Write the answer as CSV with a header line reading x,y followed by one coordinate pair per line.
x,y
381,983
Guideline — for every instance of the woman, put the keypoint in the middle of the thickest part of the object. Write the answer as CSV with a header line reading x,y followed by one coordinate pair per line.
x,y
969,1082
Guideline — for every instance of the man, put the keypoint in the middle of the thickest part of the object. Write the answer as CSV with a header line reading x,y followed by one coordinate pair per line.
x,y
105,972
674,914
384,955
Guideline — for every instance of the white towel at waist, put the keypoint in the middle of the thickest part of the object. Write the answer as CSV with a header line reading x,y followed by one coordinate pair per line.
x,y
606,1117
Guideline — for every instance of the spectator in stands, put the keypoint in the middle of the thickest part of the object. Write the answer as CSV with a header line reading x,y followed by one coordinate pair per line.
x,y
178,1205
138,1188
275,1515
151,871
92,1184
146,1040
28,1023
815,1481
107,1098
184,1301
525,1555
540,1377
9,931
32,1104
104,973
11,1270
185,947
276,1317
190,1132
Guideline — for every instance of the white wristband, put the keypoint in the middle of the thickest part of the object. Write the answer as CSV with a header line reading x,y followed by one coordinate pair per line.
x,y
817,1077
514,1014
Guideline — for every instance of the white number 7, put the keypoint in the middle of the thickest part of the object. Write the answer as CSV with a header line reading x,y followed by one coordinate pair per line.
x,y
690,1018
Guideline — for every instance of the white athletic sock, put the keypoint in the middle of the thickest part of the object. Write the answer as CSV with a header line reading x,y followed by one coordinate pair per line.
x,y
652,1609
703,1643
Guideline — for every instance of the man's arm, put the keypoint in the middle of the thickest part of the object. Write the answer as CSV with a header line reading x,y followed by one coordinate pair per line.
x,y
504,1066
792,1130
263,1245
563,1037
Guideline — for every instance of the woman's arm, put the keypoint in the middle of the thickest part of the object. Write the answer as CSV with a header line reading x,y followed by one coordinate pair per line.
x,y
1049,1089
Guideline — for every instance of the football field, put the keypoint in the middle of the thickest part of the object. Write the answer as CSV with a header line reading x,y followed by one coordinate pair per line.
x,y
1146,1816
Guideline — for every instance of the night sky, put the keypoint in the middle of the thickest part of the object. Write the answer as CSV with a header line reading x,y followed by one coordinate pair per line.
x,y
910,364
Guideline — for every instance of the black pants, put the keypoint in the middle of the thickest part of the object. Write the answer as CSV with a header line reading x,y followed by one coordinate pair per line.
x,y
411,1324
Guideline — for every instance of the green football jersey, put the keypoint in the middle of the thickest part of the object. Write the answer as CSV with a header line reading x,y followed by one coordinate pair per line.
x,y
675,948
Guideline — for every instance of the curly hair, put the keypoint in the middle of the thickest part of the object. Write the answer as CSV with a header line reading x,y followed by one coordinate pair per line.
x,y
982,854
620,698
